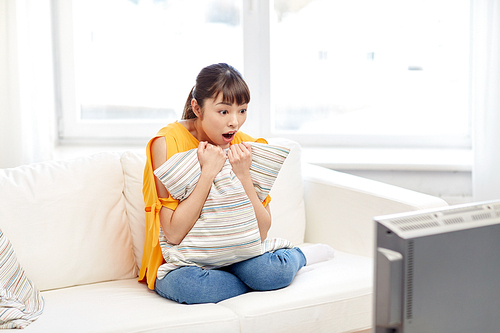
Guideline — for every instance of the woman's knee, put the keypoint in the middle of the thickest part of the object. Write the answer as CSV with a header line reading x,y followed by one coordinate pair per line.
x,y
270,271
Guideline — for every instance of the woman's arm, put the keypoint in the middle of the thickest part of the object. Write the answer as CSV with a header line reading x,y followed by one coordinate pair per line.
x,y
240,157
177,223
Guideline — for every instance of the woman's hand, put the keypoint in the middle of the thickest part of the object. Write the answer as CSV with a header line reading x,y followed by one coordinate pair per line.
x,y
240,157
211,158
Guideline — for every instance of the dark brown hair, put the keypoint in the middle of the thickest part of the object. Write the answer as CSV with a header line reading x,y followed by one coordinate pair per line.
x,y
213,80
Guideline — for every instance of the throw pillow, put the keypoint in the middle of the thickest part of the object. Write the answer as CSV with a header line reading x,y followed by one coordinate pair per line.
x,y
227,230
20,301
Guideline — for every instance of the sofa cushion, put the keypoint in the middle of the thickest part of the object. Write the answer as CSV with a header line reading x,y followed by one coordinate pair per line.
x,y
126,306
67,220
287,204
20,300
133,170
331,296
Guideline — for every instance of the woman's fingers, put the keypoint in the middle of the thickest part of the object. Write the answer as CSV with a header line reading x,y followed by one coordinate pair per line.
x,y
211,158
240,150
240,157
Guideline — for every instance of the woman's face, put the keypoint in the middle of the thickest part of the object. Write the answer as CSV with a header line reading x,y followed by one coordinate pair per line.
x,y
220,121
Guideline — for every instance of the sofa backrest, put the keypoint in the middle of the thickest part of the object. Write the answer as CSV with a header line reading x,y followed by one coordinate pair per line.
x,y
287,205
67,220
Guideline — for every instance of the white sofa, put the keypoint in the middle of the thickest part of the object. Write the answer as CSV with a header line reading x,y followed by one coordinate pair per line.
x,y
77,227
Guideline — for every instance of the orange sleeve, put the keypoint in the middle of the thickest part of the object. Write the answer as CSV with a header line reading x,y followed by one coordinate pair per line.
x,y
152,257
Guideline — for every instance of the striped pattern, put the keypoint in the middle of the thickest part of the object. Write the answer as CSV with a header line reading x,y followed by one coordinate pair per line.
x,y
20,301
226,231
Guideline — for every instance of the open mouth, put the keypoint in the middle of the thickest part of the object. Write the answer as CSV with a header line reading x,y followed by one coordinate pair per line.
x,y
229,136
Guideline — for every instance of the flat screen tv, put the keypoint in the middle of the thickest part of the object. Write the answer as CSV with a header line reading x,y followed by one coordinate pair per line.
x,y
438,271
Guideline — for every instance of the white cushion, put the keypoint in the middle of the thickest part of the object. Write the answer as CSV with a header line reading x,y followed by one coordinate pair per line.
x,y
287,196
332,296
67,220
133,171
126,306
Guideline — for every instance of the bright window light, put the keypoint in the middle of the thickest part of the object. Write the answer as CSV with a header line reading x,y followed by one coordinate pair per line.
x,y
139,59
364,67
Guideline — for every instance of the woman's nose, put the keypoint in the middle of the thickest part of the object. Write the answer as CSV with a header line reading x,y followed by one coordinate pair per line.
x,y
233,121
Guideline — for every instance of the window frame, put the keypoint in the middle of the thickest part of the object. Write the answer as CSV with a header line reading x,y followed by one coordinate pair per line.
x,y
257,71
257,45
70,127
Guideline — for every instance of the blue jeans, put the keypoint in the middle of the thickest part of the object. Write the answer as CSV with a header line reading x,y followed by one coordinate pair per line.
x,y
269,271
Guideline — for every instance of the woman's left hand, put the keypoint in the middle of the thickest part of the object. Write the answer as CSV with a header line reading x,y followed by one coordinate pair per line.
x,y
240,157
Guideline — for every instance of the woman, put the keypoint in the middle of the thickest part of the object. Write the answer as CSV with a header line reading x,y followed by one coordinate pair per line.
x,y
214,112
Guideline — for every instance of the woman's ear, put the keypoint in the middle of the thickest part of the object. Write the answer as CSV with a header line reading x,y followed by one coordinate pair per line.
x,y
196,108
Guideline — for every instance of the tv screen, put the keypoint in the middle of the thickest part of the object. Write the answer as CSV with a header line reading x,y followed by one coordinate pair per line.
x,y
438,271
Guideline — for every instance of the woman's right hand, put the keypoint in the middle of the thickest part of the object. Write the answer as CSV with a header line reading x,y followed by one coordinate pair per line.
x,y
211,158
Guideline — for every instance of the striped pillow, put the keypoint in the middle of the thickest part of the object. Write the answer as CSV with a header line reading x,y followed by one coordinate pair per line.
x,y
20,300
226,231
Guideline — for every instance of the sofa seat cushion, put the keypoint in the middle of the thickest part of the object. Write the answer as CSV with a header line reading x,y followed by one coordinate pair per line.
x,y
126,306
334,295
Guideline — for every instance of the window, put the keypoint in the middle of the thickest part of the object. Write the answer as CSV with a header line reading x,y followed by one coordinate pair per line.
x,y
322,72
135,61
383,72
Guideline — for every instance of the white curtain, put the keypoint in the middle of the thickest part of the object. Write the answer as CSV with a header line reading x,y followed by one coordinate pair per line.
x,y
486,99
27,121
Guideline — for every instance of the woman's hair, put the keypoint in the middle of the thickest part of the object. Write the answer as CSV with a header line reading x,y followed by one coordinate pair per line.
x,y
213,80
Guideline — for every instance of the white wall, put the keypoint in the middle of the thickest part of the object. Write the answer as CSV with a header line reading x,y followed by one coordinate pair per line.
x,y
486,99
27,117
10,122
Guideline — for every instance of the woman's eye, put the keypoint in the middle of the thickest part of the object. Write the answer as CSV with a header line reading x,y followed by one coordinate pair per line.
x,y
243,110
223,112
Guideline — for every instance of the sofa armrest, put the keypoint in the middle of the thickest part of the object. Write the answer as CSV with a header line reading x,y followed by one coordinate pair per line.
x,y
340,207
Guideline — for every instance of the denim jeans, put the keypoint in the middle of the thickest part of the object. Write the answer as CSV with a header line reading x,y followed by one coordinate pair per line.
x,y
269,271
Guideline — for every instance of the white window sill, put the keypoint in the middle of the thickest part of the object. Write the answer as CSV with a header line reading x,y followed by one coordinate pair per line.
x,y
410,159
335,158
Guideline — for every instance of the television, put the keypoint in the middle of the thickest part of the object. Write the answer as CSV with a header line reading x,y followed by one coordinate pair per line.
x,y
438,270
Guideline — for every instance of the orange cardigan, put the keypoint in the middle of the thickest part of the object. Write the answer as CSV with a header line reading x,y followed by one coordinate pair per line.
x,y
179,139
